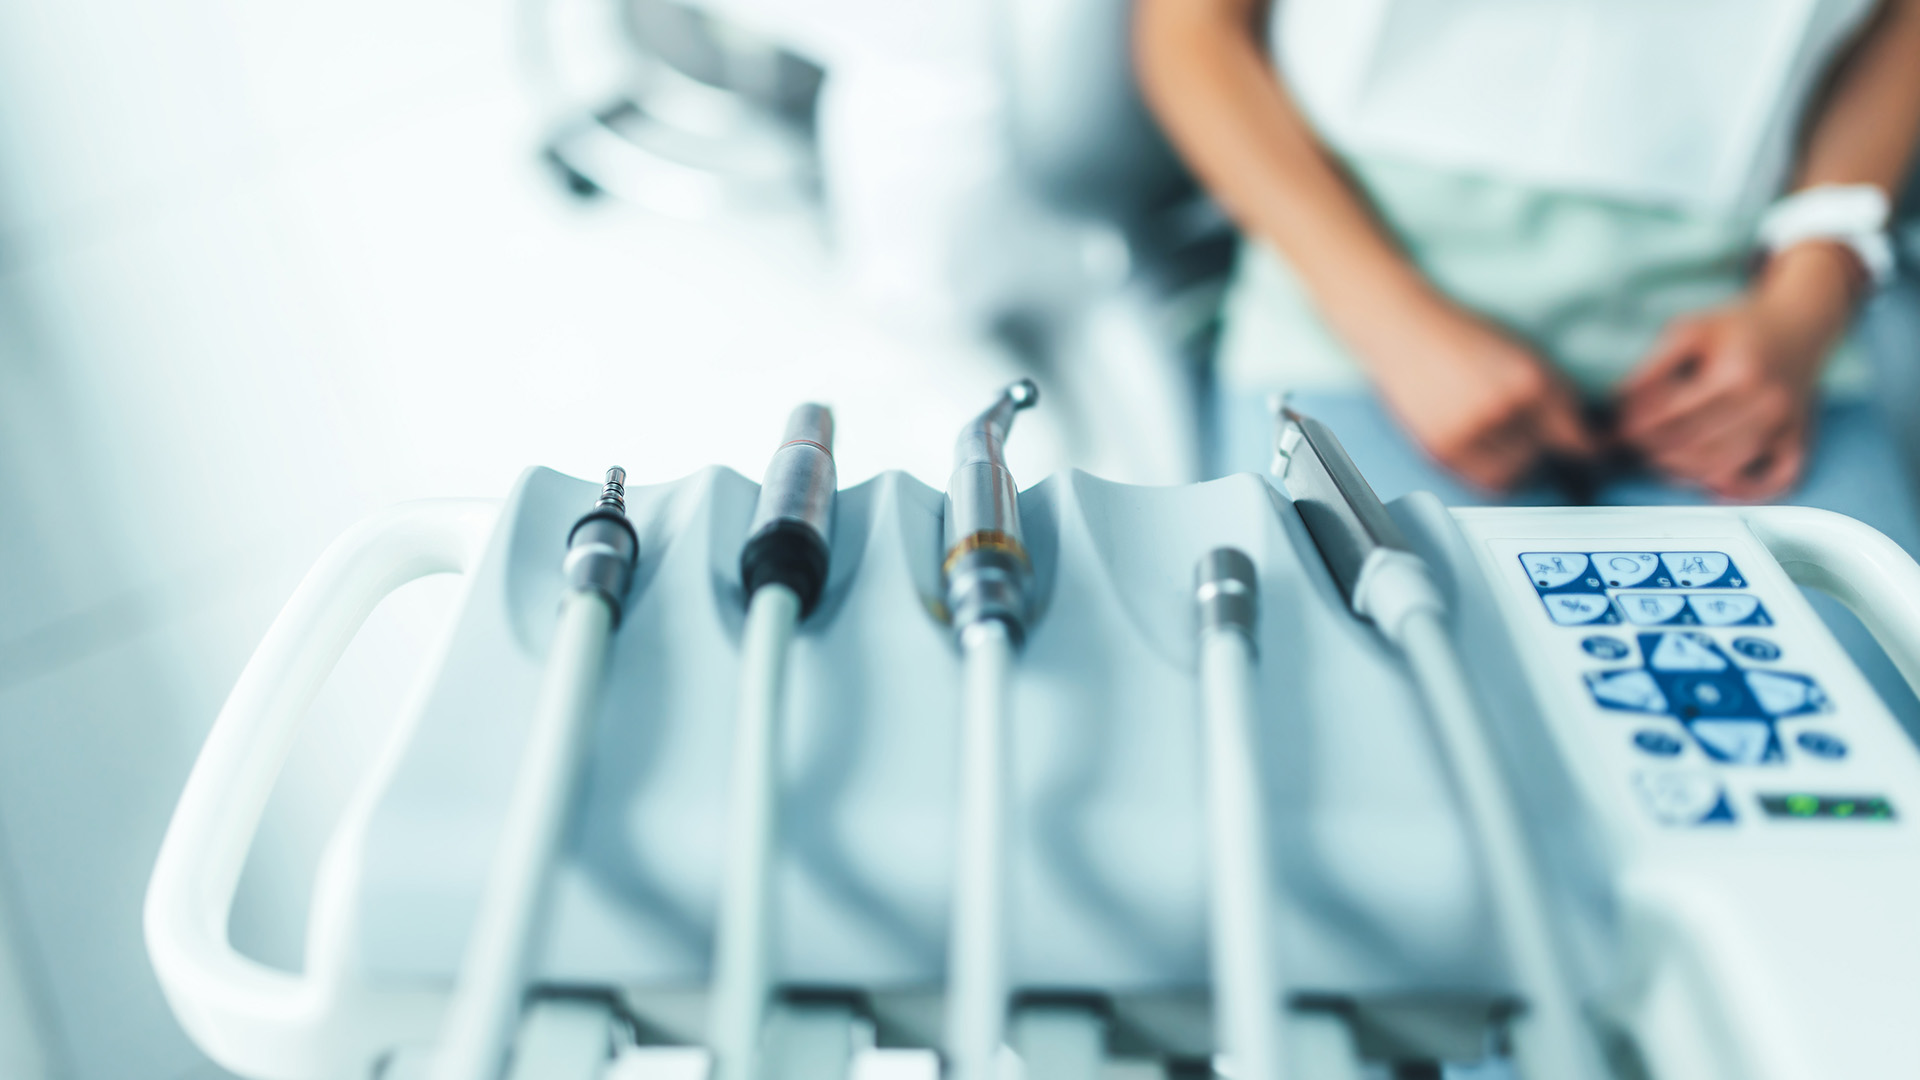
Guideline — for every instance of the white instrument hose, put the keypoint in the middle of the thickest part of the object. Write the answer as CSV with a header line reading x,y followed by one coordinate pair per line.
x,y
1246,981
485,1009
976,963
1551,1040
744,948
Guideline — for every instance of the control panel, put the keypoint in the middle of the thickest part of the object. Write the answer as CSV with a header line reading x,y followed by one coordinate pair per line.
x,y
1690,678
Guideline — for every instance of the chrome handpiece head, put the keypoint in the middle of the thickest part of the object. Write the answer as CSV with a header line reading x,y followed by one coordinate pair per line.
x,y
602,547
787,542
988,572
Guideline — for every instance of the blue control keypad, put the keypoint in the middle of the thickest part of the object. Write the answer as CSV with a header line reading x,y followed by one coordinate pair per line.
x,y
1593,571
1591,588
1732,713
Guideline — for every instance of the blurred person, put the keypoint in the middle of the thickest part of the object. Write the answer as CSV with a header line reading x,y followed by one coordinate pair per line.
x,y
1606,249
1560,250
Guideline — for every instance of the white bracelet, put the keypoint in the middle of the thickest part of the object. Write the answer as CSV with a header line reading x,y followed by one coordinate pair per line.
x,y
1852,215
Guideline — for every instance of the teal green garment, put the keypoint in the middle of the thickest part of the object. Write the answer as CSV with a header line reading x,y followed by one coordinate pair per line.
x,y
1589,283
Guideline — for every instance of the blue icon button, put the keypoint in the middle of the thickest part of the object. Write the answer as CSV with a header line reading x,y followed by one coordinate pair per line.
x,y
1738,742
1754,648
1606,648
1658,743
1820,744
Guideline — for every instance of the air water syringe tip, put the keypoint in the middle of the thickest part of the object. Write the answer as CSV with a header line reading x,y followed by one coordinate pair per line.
x,y
1024,394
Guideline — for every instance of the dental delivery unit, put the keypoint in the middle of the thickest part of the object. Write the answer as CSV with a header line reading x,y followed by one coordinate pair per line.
x,y
1257,777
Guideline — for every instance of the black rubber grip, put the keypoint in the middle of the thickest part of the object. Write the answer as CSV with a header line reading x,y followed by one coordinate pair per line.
x,y
789,553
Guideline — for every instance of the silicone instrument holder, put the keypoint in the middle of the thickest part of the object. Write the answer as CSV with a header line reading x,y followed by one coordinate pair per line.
x,y
251,1018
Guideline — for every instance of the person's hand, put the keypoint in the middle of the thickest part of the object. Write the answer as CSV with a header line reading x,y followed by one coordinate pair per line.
x,y
1725,400
1479,403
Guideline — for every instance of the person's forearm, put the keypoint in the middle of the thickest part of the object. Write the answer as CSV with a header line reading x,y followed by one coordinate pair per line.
x,y
1866,128
1207,79
1863,130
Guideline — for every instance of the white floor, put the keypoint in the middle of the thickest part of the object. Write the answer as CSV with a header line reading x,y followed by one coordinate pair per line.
x,y
264,268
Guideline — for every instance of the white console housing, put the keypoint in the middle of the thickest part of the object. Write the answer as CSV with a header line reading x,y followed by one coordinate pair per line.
x,y
1757,807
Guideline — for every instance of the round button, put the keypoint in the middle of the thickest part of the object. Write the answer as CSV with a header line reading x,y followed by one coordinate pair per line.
x,y
1820,744
1657,743
1606,648
1754,648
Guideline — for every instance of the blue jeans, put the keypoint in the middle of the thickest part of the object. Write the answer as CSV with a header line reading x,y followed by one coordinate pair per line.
x,y
1855,469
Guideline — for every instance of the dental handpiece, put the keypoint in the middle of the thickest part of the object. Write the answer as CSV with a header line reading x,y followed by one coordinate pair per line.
x,y
602,549
988,572
783,568
988,577
1246,984
1384,582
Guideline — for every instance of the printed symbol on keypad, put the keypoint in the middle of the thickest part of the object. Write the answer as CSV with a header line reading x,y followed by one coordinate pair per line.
x,y
1738,742
1658,743
1727,609
1682,652
1625,569
1553,569
1684,798
1573,609
1754,648
1634,691
1696,569
1782,694
1821,744
1652,609
1605,648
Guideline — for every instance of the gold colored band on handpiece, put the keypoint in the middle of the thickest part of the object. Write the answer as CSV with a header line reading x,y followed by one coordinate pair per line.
x,y
985,540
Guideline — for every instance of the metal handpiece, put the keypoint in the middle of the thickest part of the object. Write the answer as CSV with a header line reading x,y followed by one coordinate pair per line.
x,y
987,568
793,520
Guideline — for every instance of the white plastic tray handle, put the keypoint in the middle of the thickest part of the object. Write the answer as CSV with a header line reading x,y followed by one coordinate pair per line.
x,y
253,1019
1856,564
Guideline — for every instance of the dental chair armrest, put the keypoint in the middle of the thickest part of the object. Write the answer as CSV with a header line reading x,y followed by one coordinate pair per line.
x,y
257,1020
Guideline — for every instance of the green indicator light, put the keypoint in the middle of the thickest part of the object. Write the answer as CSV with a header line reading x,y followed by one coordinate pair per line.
x,y
1808,806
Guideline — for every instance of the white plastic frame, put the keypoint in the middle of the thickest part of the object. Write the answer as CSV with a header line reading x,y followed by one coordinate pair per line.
x,y
1855,564
253,1019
